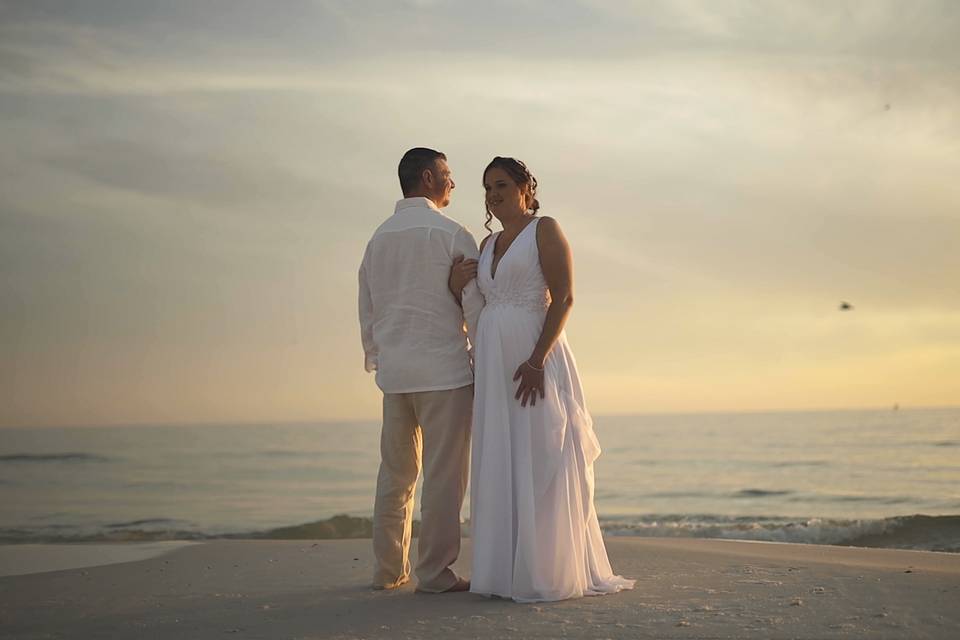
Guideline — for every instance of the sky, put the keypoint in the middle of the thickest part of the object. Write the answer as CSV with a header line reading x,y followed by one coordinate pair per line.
x,y
186,190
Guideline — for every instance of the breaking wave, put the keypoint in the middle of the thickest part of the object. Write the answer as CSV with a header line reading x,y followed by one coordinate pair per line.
x,y
929,533
919,532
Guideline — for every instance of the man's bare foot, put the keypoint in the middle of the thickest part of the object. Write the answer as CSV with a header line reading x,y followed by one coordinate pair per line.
x,y
461,585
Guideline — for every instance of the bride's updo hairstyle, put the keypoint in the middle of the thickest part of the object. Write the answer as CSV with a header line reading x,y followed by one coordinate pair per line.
x,y
521,175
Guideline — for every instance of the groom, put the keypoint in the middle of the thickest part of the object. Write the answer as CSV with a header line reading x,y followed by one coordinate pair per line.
x,y
412,328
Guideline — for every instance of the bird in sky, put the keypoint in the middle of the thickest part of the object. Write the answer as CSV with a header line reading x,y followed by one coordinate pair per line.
x,y
846,306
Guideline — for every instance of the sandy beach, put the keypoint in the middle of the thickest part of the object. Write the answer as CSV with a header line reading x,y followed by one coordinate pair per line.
x,y
303,589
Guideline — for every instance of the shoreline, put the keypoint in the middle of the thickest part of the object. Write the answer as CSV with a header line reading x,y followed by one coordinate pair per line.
x,y
686,588
32,558
939,533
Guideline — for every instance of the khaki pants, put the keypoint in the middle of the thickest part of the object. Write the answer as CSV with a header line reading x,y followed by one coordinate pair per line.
x,y
436,423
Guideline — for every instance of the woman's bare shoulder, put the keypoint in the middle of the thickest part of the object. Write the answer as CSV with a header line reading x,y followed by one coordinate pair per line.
x,y
549,229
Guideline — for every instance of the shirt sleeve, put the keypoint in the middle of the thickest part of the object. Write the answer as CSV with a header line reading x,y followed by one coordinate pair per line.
x,y
471,300
370,353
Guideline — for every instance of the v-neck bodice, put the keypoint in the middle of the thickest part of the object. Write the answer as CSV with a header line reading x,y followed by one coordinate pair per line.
x,y
494,263
519,280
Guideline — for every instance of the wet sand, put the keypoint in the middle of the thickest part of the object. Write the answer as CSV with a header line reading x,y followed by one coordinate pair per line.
x,y
22,559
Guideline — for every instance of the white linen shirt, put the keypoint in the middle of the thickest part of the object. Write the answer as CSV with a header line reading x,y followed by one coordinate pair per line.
x,y
411,326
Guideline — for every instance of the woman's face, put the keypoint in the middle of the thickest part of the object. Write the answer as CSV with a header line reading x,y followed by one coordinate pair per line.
x,y
504,197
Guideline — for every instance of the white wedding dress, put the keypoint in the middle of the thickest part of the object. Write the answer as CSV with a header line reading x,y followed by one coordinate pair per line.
x,y
534,527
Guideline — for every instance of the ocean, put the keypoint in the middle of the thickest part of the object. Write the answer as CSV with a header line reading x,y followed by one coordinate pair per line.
x,y
882,478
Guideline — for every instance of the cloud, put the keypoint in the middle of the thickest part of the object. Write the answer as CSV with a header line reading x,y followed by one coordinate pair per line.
x,y
335,31
207,177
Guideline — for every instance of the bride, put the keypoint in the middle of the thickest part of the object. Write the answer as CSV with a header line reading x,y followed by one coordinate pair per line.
x,y
534,527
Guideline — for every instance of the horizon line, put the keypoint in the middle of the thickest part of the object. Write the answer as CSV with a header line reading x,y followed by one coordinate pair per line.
x,y
329,421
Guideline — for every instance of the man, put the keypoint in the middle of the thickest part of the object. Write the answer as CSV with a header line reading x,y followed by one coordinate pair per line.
x,y
412,329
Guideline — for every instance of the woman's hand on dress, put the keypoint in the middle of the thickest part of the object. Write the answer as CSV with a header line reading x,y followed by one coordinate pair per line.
x,y
461,273
531,383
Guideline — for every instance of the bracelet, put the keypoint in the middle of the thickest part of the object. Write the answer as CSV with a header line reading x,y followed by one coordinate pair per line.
x,y
533,367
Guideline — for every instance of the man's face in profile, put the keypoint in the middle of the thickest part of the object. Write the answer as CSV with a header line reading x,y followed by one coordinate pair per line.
x,y
443,184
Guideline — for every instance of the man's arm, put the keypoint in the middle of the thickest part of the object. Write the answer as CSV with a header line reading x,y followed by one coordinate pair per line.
x,y
366,320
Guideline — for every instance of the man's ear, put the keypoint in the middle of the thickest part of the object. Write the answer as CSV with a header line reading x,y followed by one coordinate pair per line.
x,y
427,177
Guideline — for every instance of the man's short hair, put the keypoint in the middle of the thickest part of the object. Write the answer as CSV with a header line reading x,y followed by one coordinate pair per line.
x,y
412,165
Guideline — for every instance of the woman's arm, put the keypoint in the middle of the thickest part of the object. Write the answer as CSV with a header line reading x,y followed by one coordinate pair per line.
x,y
556,262
464,270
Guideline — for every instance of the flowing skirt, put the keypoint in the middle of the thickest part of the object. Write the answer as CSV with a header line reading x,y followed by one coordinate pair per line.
x,y
534,527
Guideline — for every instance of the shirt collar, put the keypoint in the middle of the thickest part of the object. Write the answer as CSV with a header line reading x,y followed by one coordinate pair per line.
x,y
418,202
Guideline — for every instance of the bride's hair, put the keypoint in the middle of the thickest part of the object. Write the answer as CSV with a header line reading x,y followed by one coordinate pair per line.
x,y
520,174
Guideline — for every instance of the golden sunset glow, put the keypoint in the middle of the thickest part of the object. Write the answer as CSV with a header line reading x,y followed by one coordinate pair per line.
x,y
184,201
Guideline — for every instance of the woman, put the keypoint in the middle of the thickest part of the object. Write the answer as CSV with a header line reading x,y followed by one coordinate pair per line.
x,y
535,530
